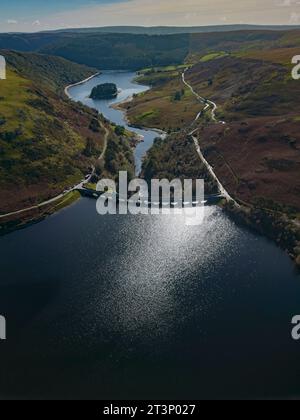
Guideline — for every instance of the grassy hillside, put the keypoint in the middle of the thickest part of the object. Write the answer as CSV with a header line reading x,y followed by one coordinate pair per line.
x,y
104,51
257,153
247,73
121,51
47,142
139,50
169,105
246,63
53,73
146,48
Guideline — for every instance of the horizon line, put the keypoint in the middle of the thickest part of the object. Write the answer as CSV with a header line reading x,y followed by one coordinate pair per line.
x,y
71,28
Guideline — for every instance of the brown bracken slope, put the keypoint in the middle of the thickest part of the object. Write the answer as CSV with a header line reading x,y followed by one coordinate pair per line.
x,y
257,152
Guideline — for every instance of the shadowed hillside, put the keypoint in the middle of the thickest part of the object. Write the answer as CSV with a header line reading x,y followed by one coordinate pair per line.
x,y
53,73
105,51
47,142
137,51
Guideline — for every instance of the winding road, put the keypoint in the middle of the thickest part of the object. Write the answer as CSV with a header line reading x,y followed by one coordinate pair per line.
x,y
208,103
75,187
65,193
214,106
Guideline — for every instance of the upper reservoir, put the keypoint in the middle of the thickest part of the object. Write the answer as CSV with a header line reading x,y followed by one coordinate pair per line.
x,y
127,88
116,307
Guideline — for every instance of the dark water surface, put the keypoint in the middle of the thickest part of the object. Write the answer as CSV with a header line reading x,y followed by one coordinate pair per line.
x,y
146,307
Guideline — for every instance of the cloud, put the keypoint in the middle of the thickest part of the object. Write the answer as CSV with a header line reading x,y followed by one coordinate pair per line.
x,y
168,12
295,18
12,22
174,12
289,3
285,3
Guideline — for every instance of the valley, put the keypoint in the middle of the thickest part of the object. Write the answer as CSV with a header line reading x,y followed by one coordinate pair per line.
x,y
255,154
48,144
130,306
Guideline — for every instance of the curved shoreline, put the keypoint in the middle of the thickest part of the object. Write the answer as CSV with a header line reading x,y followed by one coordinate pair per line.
x,y
79,83
62,195
118,107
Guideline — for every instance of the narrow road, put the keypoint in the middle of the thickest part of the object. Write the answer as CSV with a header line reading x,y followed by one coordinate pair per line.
x,y
66,90
205,101
45,203
222,190
62,195
105,143
214,106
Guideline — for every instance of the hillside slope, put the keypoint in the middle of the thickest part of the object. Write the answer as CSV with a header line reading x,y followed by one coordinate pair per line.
x,y
139,50
171,30
53,73
120,51
101,50
257,153
47,142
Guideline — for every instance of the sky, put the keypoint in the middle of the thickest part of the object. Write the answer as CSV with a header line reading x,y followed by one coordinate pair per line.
x,y
39,15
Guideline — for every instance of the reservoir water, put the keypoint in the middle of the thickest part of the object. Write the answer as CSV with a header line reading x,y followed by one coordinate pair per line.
x,y
145,307
127,88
